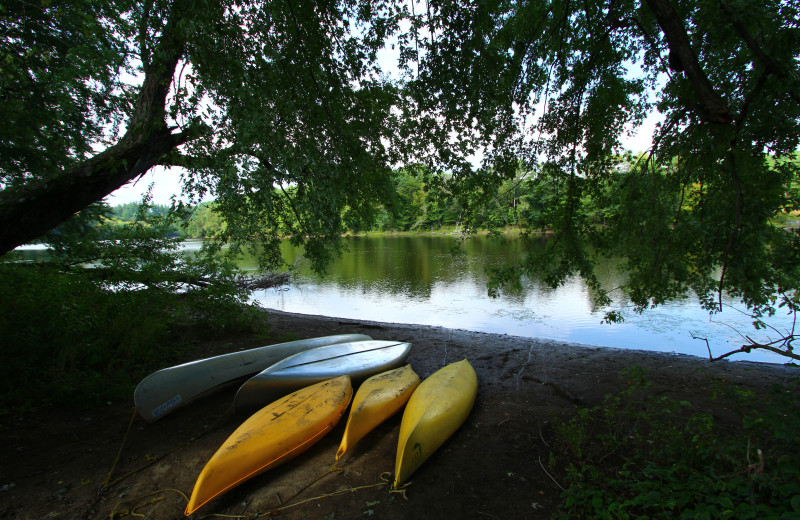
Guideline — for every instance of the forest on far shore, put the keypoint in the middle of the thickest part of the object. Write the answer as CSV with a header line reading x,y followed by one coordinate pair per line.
x,y
421,202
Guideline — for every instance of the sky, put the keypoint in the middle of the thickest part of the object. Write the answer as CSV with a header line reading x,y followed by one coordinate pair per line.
x,y
167,182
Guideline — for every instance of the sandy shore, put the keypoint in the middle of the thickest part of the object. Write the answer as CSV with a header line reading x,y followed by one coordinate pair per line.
x,y
55,464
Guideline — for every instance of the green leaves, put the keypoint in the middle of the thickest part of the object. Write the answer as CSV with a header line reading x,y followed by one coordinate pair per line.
x,y
637,455
515,109
302,145
111,303
556,84
59,82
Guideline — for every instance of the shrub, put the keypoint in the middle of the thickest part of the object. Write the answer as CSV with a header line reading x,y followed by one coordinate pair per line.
x,y
641,456
107,308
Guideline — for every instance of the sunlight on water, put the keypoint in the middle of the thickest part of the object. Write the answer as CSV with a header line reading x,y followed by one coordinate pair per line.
x,y
417,280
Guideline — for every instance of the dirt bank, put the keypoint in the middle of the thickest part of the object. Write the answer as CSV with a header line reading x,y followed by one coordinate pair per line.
x,y
54,464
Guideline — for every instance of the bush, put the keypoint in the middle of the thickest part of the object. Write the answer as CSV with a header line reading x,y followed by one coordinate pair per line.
x,y
69,341
106,309
640,456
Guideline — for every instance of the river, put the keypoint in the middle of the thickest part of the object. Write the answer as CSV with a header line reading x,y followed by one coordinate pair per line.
x,y
418,279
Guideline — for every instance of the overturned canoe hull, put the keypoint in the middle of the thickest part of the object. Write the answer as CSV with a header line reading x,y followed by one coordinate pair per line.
x,y
378,398
437,408
359,360
167,390
274,434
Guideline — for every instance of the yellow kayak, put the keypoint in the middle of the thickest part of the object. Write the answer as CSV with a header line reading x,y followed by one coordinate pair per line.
x,y
274,434
377,399
435,411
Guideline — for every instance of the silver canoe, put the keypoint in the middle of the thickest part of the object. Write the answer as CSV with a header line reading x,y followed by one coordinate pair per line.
x,y
166,390
359,360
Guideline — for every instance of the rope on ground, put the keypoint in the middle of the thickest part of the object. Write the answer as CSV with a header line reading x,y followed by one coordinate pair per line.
x,y
320,497
132,511
119,452
153,460
386,476
333,469
519,374
276,510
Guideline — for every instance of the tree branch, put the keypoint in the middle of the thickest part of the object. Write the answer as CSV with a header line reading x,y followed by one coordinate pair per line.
x,y
144,50
770,66
682,58
726,255
746,349
737,224
175,158
29,211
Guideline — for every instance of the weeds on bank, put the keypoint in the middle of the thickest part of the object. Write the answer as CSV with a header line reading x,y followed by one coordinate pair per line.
x,y
67,341
108,306
642,456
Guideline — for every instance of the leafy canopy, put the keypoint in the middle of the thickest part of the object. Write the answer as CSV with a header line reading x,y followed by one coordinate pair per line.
x,y
276,109
554,85
281,112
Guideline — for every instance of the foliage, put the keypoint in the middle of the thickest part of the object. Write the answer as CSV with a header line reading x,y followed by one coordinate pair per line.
x,y
642,456
555,85
281,111
59,82
86,325
205,222
200,221
416,204
129,211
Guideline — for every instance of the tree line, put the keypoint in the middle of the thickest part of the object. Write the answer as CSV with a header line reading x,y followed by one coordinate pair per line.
x,y
417,205
421,203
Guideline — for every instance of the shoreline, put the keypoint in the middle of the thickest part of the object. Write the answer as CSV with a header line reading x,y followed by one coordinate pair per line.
x,y
93,463
513,339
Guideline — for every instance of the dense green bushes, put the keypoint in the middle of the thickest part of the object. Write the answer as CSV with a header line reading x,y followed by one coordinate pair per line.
x,y
84,326
67,340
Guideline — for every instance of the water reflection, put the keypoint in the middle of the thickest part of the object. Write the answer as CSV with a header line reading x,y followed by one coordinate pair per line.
x,y
418,279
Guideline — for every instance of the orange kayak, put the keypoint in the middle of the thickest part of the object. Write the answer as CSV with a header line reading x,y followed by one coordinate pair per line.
x,y
274,434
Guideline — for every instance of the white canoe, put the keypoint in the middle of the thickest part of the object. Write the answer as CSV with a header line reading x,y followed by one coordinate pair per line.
x,y
166,390
359,360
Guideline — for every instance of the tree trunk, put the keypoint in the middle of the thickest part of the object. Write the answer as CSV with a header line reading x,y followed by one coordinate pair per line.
x,y
29,211
712,108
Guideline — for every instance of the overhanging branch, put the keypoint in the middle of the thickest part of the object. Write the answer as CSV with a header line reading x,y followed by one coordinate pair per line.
x,y
712,108
783,348
767,62
29,211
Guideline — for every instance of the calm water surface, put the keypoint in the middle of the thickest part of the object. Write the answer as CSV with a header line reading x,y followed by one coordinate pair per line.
x,y
418,279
